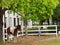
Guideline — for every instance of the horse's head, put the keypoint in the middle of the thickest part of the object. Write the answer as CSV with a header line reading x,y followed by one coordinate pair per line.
x,y
18,27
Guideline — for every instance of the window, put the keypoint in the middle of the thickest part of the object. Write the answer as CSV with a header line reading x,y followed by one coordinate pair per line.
x,y
5,22
18,21
14,21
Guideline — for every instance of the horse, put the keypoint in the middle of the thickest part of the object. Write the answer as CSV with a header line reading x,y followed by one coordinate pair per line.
x,y
11,34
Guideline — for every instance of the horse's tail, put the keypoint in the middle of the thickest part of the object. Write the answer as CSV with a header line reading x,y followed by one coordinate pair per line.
x,y
8,31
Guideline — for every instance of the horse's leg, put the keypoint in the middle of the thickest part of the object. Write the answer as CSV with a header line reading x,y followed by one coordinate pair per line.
x,y
11,37
15,39
8,39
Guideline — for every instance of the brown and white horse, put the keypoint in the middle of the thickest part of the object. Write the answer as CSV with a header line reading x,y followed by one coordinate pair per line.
x,y
12,32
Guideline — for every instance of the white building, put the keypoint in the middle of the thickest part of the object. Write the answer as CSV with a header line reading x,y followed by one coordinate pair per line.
x,y
12,19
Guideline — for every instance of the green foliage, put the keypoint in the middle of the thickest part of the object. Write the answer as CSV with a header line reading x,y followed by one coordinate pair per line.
x,y
9,4
33,28
57,12
31,9
37,9
51,27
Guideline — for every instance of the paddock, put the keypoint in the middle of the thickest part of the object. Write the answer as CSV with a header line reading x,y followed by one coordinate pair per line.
x,y
34,40
14,19
39,32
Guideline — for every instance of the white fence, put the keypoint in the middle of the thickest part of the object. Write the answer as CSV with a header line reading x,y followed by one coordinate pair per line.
x,y
39,30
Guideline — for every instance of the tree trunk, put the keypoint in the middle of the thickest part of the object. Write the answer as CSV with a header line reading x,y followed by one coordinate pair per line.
x,y
1,27
25,24
41,22
1,24
48,21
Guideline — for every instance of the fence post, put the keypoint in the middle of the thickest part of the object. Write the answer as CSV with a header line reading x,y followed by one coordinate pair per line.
x,y
22,29
56,31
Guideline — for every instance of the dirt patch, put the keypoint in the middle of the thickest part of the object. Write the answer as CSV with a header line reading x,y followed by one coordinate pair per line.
x,y
29,40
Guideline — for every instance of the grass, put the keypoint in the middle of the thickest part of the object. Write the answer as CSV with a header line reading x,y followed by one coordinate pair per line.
x,y
39,41
52,41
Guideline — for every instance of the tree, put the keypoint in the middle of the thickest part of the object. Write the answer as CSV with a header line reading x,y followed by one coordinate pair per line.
x,y
28,9
37,9
56,16
6,5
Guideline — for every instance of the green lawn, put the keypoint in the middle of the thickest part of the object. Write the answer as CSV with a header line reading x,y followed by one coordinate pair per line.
x,y
51,41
